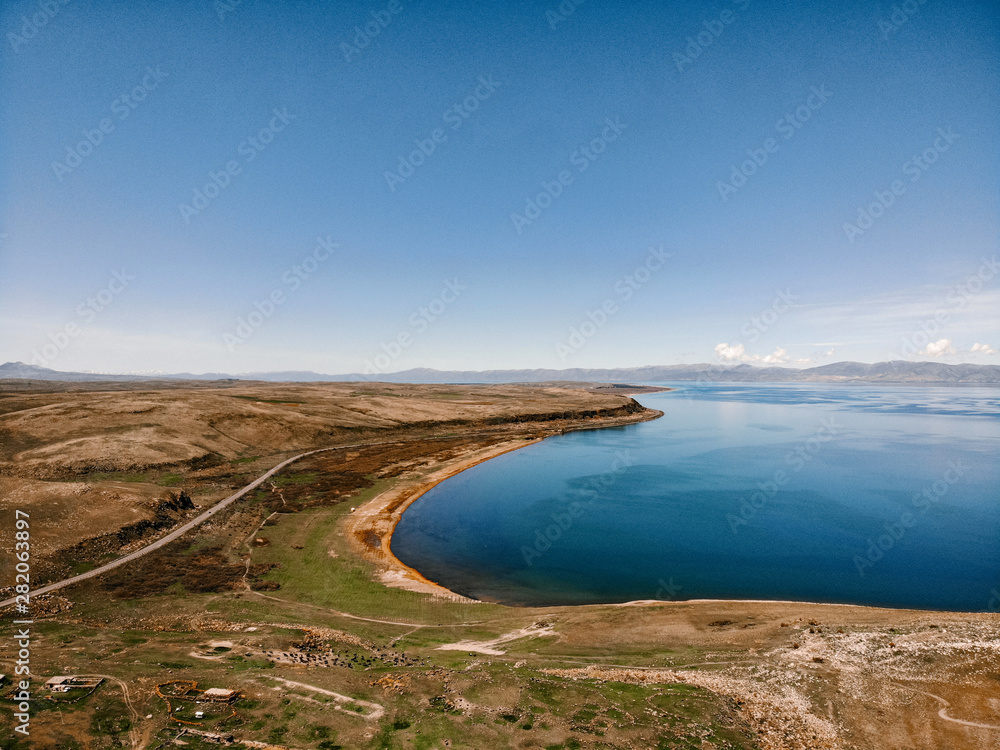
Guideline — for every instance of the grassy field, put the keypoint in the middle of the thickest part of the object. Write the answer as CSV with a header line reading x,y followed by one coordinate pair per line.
x,y
316,566
468,702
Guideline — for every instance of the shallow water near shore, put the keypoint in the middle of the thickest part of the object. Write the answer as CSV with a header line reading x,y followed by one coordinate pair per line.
x,y
876,495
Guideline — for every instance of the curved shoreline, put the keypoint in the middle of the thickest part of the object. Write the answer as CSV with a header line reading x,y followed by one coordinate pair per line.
x,y
377,518
381,514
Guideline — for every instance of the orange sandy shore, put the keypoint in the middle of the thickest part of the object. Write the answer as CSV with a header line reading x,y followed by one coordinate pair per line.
x,y
379,516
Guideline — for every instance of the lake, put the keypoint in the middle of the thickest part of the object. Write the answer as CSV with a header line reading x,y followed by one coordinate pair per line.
x,y
860,494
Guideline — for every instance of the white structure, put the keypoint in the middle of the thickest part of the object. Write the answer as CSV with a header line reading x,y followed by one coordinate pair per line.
x,y
58,684
64,683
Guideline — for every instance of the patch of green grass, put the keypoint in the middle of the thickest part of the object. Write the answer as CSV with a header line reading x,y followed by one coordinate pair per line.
x,y
239,664
110,720
319,732
81,566
169,480
277,734
116,476
197,545
244,460
284,480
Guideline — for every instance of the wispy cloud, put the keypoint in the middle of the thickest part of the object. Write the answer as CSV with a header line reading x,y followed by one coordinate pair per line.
x,y
892,310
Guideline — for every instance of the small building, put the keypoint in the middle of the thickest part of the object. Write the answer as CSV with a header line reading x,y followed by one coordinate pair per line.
x,y
58,684
64,683
220,695
199,714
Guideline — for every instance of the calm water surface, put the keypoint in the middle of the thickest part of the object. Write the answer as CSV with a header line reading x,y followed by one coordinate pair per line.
x,y
887,496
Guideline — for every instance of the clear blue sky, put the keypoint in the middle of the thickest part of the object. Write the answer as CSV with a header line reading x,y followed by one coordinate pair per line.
x,y
643,109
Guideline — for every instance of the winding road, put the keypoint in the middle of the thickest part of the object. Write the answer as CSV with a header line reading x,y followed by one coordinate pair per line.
x,y
183,529
943,713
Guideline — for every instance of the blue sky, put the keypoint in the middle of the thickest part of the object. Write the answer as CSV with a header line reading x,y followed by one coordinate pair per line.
x,y
244,186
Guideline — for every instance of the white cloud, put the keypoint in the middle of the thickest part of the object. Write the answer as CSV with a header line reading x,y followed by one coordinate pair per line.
x,y
778,357
738,353
734,353
982,349
937,348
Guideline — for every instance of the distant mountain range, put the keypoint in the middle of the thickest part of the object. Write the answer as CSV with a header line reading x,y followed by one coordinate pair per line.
x,y
897,371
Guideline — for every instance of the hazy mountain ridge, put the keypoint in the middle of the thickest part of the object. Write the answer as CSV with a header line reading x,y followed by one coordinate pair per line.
x,y
897,371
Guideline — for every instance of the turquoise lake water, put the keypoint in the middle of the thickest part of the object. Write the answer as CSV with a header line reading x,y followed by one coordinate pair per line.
x,y
886,496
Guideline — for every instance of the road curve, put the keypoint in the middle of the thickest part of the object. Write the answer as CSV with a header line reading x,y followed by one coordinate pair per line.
x,y
180,530
943,713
